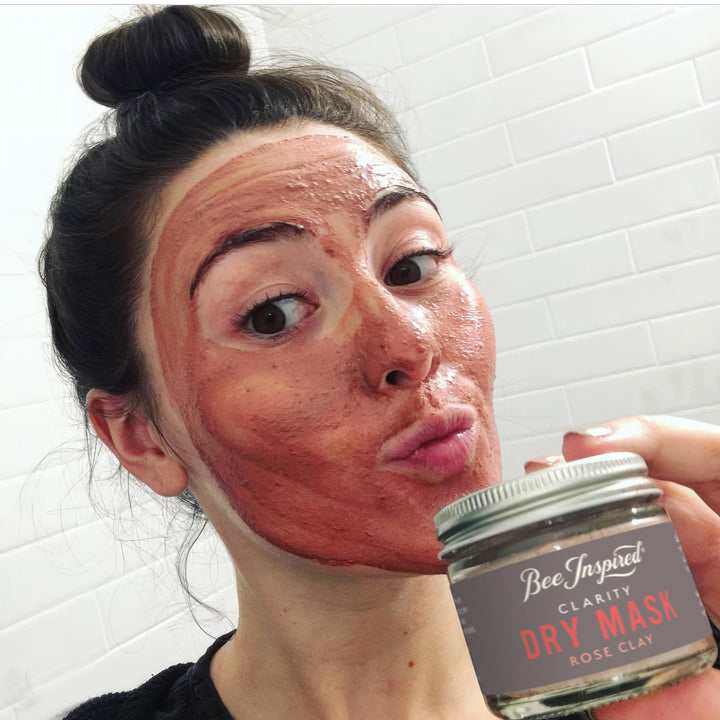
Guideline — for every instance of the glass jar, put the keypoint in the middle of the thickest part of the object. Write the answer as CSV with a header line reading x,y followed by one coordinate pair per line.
x,y
572,588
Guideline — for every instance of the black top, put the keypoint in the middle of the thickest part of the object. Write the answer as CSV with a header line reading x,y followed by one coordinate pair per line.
x,y
181,692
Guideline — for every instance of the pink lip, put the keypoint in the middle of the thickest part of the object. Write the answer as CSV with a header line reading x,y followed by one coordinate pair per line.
x,y
443,443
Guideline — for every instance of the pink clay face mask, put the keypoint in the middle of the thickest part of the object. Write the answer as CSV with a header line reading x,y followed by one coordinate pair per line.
x,y
308,358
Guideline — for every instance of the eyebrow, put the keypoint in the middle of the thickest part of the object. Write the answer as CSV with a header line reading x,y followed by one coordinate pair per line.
x,y
262,233
281,230
394,195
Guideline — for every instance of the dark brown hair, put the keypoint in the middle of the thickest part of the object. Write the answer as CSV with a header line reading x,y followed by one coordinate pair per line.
x,y
179,81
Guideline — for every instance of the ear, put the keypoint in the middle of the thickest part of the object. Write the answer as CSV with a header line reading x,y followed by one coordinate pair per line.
x,y
135,442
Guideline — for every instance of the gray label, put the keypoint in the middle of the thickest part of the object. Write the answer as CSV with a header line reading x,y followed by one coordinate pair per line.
x,y
581,610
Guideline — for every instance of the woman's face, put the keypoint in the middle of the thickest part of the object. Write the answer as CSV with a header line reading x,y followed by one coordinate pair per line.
x,y
332,366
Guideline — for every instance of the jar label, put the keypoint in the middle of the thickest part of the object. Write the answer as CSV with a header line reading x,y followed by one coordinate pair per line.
x,y
584,609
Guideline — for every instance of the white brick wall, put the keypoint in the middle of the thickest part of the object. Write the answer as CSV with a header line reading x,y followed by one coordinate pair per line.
x,y
533,183
681,237
559,29
624,204
574,151
602,113
667,142
502,98
575,166
686,33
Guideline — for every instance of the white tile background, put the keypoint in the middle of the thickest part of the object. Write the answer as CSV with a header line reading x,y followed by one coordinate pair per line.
x,y
574,153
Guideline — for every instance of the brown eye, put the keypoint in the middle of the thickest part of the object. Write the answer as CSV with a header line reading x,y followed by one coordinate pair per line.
x,y
276,316
411,269
267,319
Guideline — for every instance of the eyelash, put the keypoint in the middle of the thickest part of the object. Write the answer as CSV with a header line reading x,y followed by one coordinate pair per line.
x,y
434,252
243,318
425,251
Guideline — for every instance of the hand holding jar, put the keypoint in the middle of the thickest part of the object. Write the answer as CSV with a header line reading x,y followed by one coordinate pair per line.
x,y
684,458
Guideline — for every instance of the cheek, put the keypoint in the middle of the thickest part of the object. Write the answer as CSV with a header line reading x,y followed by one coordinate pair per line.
x,y
467,333
262,409
296,398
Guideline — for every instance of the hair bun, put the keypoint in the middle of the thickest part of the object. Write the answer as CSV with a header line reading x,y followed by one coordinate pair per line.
x,y
177,43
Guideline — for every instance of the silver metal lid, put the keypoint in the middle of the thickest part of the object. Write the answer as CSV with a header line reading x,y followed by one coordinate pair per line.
x,y
544,494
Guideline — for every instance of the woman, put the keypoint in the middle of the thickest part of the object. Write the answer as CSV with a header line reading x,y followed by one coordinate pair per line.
x,y
279,332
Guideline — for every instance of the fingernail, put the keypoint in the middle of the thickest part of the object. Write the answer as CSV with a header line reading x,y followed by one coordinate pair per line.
x,y
599,431
547,460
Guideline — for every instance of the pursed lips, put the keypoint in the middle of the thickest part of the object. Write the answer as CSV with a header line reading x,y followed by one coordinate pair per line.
x,y
442,443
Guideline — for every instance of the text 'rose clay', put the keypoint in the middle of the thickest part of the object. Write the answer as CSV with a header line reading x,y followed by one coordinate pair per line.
x,y
572,588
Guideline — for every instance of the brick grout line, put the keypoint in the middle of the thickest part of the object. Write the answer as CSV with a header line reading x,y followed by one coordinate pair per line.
x,y
529,163
619,30
635,371
529,232
486,55
689,311
651,340
444,143
716,171
501,77
701,408
568,407
489,32
631,253
588,69
696,80
401,52
49,609
551,322
506,133
698,87
634,179
360,38
558,249
98,610
451,48
611,165
572,338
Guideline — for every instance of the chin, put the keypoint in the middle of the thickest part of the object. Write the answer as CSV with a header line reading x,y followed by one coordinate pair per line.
x,y
383,569
416,561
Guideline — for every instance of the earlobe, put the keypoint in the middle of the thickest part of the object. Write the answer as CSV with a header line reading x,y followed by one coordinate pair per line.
x,y
135,442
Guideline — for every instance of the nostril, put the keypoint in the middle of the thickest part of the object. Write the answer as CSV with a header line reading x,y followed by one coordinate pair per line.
x,y
396,377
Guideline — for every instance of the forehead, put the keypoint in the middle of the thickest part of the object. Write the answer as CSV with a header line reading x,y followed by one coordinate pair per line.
x,y
276,156
292,176
301,176
280,175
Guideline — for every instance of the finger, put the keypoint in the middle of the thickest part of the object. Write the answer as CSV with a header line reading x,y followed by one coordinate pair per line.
x,y
698,528
541,463
676,449
693,699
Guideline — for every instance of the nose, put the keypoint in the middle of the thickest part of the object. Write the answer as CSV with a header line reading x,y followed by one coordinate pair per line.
x,y
401,349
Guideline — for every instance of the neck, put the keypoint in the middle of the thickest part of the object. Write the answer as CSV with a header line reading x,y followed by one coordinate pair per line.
x,y
322,642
